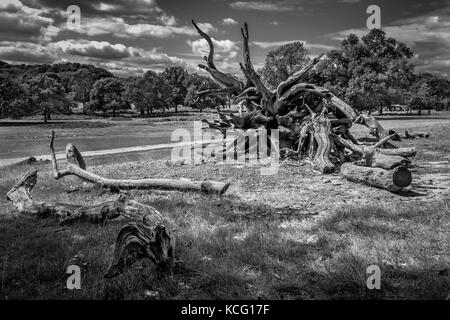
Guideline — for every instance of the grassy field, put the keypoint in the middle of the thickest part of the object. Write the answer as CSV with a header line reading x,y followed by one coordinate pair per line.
x,y
294,235
30,137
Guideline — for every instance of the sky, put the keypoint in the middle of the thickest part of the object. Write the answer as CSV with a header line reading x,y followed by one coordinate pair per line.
x,y
129,37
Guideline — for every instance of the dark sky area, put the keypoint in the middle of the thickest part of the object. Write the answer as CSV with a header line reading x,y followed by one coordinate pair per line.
x,y
129,37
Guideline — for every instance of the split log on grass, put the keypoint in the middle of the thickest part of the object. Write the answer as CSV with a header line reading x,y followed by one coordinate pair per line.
x,y
20,196
414,135
391,180
75,160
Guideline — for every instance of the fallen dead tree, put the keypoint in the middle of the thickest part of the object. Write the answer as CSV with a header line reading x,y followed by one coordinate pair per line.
x,y
147,235
312,122
77,167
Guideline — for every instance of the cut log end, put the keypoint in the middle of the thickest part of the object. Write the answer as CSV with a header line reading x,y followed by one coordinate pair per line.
x,y
391,180
402,177
214,187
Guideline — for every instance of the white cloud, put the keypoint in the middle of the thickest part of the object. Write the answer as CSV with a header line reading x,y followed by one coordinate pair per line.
x,y
229,21
279,6
224,50
167,20
20,22
25,52
118,58
96,49
13,4
274,44
119,28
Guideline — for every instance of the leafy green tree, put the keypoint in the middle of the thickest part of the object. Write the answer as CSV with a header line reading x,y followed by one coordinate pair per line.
x,y
176,77
283,62
422,98
196,83
47,95
157,92
13,102
372,72
438,88
107,94
134,93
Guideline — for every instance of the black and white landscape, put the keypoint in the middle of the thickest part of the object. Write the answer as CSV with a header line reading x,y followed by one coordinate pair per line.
x,y
274,150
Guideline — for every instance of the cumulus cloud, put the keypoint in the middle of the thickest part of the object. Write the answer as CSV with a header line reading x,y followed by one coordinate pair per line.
x,y
20,22
95,49
263,6
122,59
32,23
307,45
124,8
229,21
25,52
119,28
224,50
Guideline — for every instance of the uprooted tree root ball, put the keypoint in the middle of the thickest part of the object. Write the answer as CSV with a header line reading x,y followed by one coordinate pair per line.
x,y
312,122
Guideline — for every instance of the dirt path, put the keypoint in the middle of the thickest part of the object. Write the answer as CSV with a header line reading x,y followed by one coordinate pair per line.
x,y
117,137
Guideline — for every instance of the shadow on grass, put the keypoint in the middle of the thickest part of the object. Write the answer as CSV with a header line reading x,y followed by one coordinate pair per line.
x,y
230,249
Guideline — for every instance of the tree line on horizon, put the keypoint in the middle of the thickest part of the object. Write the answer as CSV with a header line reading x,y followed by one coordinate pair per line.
x,y
370,73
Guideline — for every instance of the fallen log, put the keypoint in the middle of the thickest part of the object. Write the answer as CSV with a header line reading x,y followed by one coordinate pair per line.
x,y
20,196
414,135
148,235
374,156
391,180
77,167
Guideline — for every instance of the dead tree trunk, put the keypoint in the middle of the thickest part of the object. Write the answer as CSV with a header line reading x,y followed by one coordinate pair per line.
x,y
391,180
148,235
77,167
